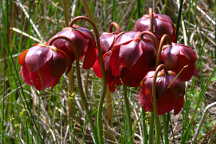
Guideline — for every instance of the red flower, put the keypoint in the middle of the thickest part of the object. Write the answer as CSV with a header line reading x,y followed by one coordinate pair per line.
x,y
107,40
43,65
167,98
162,24
112,80
77,42
176,56
133,55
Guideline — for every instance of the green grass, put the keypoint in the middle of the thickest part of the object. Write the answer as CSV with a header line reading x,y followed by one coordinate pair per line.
x,y
31,116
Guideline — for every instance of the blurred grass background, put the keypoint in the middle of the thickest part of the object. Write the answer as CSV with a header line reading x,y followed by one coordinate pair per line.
x,y
56,115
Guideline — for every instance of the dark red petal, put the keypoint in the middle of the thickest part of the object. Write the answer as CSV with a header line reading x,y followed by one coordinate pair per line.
x,y
96,68
165,103
58,64
189,53
25,74
115,62
124,38
178,105
40,79
78,42
106,41
130,53
65,46
90,57
145,98
37,56
85,32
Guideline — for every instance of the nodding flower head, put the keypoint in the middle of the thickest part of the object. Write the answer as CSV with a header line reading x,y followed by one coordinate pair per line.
x,y
176,56
107,39
112,81
161,24
169,92
77,42
133,55
43,65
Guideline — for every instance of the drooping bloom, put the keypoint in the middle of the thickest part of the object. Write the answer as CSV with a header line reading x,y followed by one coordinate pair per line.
x,y
169,92
107,40
43,65
112,81
133,55
162,24
77,42
176,56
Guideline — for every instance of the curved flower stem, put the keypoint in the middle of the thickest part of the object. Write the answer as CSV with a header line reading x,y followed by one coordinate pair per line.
x,y
83,98
140,36
82,94
178,74
60,37
154,117
100,106
116,26
127,109
164,38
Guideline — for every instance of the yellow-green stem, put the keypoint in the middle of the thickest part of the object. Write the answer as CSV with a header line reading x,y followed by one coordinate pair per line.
x,y
154,118
70,97
100,106
83,98
127,109
164,38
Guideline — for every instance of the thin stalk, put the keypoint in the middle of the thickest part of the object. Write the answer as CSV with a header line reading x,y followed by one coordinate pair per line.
x,y
109,107
154,118
166,119
215,36
164,38
127,109
83,98
70,96
151,13
114,10
151,129
179,18
138,8
101,102
66,11
145,134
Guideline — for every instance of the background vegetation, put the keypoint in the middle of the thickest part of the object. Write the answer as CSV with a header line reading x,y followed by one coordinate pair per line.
x,y
56,115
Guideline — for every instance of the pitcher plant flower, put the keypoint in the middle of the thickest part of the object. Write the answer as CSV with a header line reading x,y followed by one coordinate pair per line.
x,y
78,42
133,55
43,65
169,92
176,56
159,24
